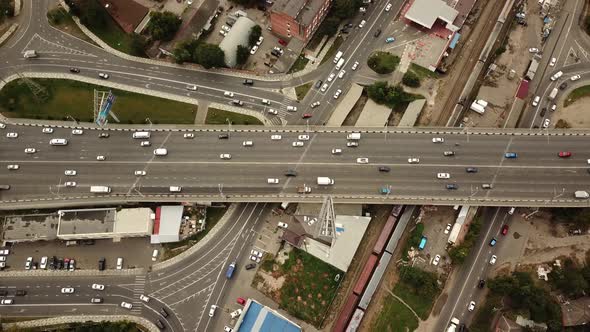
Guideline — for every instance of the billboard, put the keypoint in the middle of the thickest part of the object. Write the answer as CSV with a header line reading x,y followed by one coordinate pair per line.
x,y
106,106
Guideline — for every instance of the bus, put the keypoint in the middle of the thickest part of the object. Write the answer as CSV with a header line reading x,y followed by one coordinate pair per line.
x,y
422,243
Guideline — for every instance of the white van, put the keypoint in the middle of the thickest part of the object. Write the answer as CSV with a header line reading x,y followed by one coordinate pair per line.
x,y
30,54
120,263
154,255
175,189
58,141
141,134
160,152
100,189
581,194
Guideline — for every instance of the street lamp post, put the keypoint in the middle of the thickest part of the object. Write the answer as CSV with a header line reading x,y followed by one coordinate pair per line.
x,y
149,121
72,118
220,187
228,126
385,139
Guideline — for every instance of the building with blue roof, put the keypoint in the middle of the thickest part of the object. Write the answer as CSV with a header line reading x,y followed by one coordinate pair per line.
x,y
259,318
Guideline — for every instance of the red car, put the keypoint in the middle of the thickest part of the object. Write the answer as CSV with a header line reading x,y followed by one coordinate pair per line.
x,y
282,42
307,115
565,154
241,301
504,230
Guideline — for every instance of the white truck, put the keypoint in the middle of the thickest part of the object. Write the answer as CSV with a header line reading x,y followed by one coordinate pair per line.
x,y
354,136
553,94
100,189
338,56
340,63
478,108
325,181
454,325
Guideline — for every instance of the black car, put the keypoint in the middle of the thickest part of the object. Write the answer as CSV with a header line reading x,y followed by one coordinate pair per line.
x,y
104,135
562,86
377,33
164,312
21,292
250,266
3,292
345,30
223,136
543,110
160,324
471,169
60,263
248,82
384,169
449,153
318,84
101,264
291,172
481,283
88,242
452,186
462,328
74,70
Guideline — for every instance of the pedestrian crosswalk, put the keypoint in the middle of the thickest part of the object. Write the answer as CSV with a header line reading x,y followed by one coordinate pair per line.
x,y
138,289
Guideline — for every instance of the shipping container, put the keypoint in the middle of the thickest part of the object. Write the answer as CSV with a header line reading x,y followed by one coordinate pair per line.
x,y
363,279
346,313
385,234
397,210
355,321
375,280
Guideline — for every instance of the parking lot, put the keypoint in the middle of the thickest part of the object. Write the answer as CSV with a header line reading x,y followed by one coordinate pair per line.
x,y
136,252
435,222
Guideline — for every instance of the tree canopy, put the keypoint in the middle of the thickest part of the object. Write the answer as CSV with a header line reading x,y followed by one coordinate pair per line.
x,y
391,95
255,33
242,54
163,25
383,62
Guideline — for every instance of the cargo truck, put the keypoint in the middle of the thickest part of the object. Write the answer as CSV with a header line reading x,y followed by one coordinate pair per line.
x,y
338,56
340,63
354,136
304,189
100,189
553,93
325,181
230,270
454,324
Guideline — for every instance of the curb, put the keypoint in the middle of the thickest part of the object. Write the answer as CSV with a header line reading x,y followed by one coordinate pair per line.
x,y
8,33
81,319
77,273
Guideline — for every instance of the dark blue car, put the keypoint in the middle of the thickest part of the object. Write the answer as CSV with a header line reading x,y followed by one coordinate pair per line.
x,y
510,155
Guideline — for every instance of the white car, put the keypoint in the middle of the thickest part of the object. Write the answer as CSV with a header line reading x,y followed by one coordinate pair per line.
x,y
324,87
362,160
536,100
336,151
337,94
248,143
30,150
556,75
67,290
225,156
363,9
292,108
97,286
12,167
388,7
2,125
575,77
145,143
101,158
6,301
276,137
546,123
189,135
12,135
236,313
223,33
282,225
47,130
70,184
552,62
191,87
225,28
471,306
297,144
70,172
413,160
534,50
254,49
443,175
342,73
315,104
355,65
272,181
273,111
362,24
265,101
212,310
4,252
438,140
227,329
77,132
104,76
144,298
228,94
448,228
260,40
331,77
436,260
352,144
139,173
43,263
126,305
493,259
303,137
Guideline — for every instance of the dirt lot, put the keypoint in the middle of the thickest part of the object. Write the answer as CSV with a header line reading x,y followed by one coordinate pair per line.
x,y
575,114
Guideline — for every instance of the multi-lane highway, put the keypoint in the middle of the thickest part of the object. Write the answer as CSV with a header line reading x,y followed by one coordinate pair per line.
x,y
538,176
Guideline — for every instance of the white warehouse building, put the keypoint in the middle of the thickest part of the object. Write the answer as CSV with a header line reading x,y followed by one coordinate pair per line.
x,y
237,35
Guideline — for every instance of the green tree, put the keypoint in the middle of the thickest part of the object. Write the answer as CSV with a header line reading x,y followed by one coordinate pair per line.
x,y
378,92
209,56
411,79
163,26
344,9
383,62
6,10
138,44
255,33
242,54
329,26
92,14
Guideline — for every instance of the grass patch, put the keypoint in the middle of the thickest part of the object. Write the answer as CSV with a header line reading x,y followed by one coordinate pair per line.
x,y
219,117
299,64
76,99
332,51
302,90
383,62
579,93
309,286
422,72
395,317
417,288
211,219
60,19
